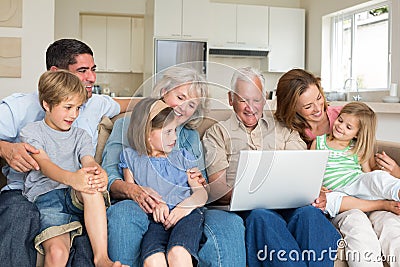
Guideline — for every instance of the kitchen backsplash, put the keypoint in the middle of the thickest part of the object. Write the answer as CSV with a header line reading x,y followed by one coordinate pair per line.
x,y
221,73
122,84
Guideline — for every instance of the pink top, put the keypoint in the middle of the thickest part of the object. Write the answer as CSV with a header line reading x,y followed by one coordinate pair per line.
x,y
333,113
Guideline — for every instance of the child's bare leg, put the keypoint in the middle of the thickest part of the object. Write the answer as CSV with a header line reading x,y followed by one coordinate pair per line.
x,y
96,225
56,250
155,260
349,203
179,257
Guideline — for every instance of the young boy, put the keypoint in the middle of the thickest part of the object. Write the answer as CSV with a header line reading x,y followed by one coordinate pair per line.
x,y
65,157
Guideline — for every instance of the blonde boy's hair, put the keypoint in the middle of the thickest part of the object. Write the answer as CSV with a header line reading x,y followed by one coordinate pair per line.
x,y
58,86
364,145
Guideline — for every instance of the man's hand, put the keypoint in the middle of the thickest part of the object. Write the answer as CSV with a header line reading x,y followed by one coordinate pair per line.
x,y
18,157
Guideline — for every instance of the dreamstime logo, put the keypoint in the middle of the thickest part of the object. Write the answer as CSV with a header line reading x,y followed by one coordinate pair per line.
x,y
295,255
361,256
332,254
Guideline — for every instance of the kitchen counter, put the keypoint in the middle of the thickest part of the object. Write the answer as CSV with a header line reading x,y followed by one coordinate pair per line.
x,y
378,107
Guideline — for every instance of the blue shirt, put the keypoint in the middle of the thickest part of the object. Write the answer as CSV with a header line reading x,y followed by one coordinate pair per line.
x,y
187,139
20,109
166,175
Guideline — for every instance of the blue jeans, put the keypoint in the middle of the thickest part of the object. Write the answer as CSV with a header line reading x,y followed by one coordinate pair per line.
x,y
222,244
19,225
186,233
278,238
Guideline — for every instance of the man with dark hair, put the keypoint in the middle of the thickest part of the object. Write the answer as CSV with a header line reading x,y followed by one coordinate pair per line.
x,y
19,219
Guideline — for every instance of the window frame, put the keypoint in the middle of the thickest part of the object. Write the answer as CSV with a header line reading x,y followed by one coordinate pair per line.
x,y
330,58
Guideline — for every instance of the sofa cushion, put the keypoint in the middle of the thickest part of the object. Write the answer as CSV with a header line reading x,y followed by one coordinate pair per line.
x,y
104,128
391,148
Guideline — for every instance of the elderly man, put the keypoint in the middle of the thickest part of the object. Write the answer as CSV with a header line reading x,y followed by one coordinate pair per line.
x,y
289,231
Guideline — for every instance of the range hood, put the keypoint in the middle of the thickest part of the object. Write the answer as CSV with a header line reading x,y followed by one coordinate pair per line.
x,y
238,52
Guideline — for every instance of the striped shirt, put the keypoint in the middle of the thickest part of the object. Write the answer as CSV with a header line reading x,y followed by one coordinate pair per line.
x,y
342,166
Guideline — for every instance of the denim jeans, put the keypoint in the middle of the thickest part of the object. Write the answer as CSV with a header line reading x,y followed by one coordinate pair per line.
x,y
222,244
280,238
186,233
19,225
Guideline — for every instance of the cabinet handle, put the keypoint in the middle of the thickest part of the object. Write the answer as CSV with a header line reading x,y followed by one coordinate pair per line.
x,y
187,35
230,42
241,43
175,34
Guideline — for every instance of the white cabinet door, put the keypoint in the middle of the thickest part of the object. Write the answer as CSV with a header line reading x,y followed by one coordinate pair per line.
x,y
137,42
223,25
119,44
195,19
252,26
167,18
94,33
286,39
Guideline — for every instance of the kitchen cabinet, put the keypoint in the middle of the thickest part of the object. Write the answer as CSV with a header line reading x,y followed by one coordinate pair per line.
x,y
94,32
137,45
286,39
238,25
116,42
186,19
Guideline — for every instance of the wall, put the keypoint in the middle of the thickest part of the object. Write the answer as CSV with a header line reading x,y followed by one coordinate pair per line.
x,y
316,9
37,33
388,127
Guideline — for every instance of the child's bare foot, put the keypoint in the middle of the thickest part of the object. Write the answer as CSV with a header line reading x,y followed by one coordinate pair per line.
x,y
392,206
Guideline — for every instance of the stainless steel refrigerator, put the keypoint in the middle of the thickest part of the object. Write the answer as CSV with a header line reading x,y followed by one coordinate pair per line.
x,y
180,52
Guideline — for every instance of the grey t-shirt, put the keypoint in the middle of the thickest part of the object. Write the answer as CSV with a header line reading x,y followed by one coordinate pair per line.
x,y
65,149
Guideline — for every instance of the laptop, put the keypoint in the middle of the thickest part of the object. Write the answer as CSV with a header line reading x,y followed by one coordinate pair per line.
x,y
277,179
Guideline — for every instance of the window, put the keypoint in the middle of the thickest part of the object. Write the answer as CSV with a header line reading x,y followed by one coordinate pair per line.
x,y
360,48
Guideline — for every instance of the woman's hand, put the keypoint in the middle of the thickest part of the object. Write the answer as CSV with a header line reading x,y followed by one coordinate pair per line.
x,y
320,202
386,163
175,215
146,197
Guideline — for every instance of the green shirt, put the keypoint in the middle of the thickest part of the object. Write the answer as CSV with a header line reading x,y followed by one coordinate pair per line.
x,y
342,166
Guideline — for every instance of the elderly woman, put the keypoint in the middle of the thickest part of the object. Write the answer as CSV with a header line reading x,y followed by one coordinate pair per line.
x,y
301,106
186,91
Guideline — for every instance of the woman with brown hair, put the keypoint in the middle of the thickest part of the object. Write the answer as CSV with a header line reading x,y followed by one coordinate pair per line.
x,y
301,106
